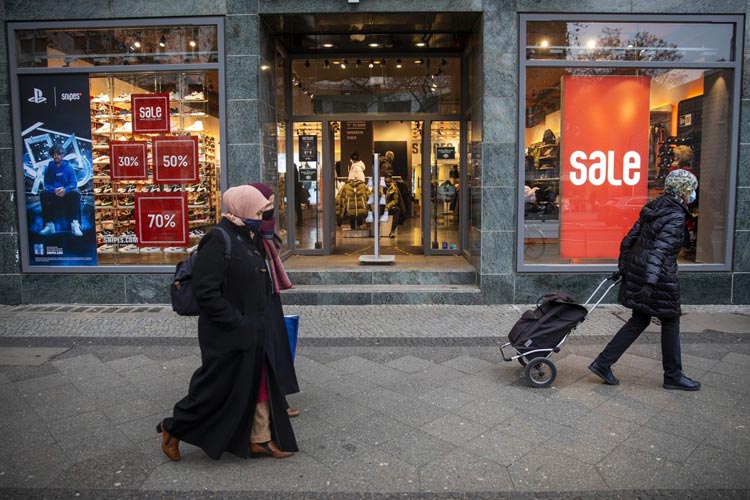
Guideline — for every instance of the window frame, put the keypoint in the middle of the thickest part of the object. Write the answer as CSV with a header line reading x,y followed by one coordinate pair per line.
x,y
734,120
15,72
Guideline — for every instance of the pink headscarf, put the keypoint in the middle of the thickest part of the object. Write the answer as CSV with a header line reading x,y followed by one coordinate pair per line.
x,y
244,202
281,280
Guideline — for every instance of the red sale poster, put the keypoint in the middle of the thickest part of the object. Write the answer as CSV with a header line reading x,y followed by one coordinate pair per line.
x,y
128,160
176,160
604,160
161,219
150,113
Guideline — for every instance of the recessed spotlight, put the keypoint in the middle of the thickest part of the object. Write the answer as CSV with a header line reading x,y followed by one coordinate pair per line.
x,y
328,45
162,42
420,44
398,63
373,45
137,44
372,63
343,64
591,43
265,67
544,43
418,61
192,43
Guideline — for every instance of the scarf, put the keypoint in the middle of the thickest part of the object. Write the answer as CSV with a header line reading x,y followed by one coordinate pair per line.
x,y
280,279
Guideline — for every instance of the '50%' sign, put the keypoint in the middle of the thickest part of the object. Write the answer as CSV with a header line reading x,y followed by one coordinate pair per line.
x,y
176,160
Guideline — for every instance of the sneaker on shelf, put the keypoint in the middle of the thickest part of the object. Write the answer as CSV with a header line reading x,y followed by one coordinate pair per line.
x,y
197,233
101,98
129,249
174,111
128,202
200,200
125,128
106,232
150,250
106,202
104,129
174,96
197,113
106,248
122,98
128,232
194,96
174,250
99,160
100,189
195,127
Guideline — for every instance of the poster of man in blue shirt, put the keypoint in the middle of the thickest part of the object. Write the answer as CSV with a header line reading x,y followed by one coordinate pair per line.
x,y
60,198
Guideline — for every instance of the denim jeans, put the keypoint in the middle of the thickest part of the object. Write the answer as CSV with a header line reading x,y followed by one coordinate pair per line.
x,y
670,343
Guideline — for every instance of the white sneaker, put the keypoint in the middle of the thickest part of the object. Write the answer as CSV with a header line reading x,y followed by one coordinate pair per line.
x,y
195,127
104,129
125,128
174,250
106,248
49,228
150,250
75,228
129,249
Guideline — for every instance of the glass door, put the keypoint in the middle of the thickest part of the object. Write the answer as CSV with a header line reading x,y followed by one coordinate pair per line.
x,y
307,174
444,187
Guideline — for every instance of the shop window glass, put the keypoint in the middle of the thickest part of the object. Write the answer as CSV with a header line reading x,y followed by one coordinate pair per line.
x,y
379,85
598,142
86,47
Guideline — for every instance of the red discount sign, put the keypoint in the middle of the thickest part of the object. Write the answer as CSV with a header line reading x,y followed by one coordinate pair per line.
x,y
128,160
176,160
150,113
604,162
161,219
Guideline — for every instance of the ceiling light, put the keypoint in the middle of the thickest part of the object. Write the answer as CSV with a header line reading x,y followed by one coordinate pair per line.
x,y
328,45
398,63
420,44
137,44
192,43
343,64
371,63
591,44
265,67
418,61
544,43
162,42
373,45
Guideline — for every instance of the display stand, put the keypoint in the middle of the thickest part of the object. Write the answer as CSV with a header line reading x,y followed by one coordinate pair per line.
x,y
377,258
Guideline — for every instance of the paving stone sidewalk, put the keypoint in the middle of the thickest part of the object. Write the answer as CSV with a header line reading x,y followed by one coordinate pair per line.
x,y
431,416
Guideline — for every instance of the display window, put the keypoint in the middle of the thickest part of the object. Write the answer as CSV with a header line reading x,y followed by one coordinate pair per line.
x,y
120,167
610,108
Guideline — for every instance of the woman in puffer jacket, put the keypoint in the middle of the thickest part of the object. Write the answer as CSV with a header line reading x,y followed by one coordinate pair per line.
x,y
648,268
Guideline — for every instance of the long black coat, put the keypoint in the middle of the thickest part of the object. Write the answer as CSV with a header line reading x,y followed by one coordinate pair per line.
x,y
648,255
217,413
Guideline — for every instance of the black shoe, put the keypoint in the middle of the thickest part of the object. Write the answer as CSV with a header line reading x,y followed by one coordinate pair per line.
x,y
682,384
603,373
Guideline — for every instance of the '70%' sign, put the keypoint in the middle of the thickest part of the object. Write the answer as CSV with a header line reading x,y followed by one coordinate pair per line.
x,y
162,219
176,160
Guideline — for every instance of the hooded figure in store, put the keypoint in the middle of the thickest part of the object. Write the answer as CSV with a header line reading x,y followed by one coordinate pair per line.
x,y
234,402
650,287
386,164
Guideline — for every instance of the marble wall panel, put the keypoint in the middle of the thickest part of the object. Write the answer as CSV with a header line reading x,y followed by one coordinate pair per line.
x,y
705,288
149,8
743,174
147,288
10,258
741,251
71,288
281,6
412,297
424,278
741,288
498,252
594,6
745,121
500,124
244,164
500,78
8,212
243,122
696,7
529,287
241,7
330,278
6,137
500,32
242,77
499,208
328,298
241,35
10,289
498,288
28,10
742,210
500,165
7,170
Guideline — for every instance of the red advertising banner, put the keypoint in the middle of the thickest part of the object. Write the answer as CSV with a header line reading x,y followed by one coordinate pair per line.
x,y
161,219
604,155
128,160
150,113
176,160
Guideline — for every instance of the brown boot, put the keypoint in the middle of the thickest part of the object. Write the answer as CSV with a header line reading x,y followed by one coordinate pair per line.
x,y
170,445
268,449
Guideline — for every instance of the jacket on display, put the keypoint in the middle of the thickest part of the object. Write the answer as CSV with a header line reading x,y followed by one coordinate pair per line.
x,y
648,255
352,200
217,414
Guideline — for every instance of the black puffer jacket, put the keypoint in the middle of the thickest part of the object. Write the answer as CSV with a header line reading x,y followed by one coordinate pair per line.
x,y
648,255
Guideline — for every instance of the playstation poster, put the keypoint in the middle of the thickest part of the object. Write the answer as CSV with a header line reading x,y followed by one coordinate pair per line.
x,y
58,170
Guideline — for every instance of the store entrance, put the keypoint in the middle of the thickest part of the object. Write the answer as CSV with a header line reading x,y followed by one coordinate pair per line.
x,y
338,200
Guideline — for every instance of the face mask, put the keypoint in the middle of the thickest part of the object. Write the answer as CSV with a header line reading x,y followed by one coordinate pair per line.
x,y
253,224
268,214
691,198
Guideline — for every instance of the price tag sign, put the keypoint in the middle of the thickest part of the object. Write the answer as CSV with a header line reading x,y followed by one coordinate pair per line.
x,y
150,113
128,160
446,153
161,219
176,160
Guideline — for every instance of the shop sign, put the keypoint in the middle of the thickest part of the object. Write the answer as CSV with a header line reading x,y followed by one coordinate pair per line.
x,y
445,152
308,148
161,219
128,160
150,113
605,122
176,160
308,174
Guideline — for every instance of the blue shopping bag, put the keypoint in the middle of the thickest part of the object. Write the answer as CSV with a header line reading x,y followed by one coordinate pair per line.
x,y
292,331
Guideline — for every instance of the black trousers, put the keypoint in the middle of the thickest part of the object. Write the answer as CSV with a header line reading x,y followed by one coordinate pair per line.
x,y
671,357
60,207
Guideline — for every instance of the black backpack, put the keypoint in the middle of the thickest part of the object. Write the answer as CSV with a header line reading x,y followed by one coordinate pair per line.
x,y
181,289
556,314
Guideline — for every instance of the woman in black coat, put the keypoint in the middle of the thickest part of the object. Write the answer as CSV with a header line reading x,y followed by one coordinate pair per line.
x,y
234,403
650,287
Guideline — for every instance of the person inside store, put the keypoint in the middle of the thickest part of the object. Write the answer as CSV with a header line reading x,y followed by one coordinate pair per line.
x,y
454,204
393,203
650,287
356,167
300,196
683,159
386,164
352,202
234,402
277,342
60,198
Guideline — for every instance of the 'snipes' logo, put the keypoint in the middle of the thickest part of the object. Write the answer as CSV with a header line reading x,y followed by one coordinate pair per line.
x,y
38,97
71,96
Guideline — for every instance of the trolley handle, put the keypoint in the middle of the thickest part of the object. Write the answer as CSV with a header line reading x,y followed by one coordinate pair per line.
x,y
604,294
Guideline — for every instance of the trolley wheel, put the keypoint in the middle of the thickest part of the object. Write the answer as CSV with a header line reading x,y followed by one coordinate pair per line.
x,y
540,372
